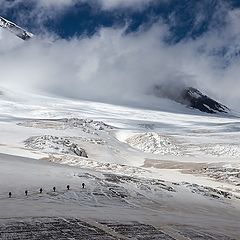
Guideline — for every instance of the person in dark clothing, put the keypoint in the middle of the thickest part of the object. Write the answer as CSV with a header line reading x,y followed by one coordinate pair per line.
x,y
9,194
54,189
83,185
68,187
40,190
26,192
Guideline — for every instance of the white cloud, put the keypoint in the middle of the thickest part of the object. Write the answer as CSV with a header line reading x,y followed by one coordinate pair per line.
x,y
110,66
48,3
50,9
110,4
106,4
114,67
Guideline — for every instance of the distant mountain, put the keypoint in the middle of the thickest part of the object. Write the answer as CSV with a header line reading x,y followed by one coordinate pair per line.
x,y
191,97
15,29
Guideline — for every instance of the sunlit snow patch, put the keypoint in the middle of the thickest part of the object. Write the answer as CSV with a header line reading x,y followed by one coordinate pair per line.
x,y
152,142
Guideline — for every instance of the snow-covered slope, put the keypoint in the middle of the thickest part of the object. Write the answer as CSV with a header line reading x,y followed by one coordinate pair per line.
x,y
156,167
15,29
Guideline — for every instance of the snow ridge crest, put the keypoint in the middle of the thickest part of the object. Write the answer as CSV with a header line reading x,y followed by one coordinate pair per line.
x,y
15,29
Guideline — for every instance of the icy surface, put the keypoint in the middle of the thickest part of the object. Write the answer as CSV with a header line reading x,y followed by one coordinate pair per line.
x,y
69,228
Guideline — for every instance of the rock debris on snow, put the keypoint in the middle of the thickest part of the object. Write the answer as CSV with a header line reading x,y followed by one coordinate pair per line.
x,y
53,144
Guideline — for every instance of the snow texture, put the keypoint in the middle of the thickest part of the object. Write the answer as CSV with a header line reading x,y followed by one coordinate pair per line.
x,y
53,144
154,143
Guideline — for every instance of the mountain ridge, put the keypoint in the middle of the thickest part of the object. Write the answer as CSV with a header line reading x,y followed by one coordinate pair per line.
x,y
191,97
15,29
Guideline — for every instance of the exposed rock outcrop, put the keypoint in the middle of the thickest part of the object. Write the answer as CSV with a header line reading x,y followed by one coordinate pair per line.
x,y
55,145
191,97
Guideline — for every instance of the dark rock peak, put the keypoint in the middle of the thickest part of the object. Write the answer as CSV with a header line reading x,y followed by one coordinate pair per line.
x,y
202,102
191,97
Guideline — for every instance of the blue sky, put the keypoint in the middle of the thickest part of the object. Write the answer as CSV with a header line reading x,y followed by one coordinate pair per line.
x,y
185,18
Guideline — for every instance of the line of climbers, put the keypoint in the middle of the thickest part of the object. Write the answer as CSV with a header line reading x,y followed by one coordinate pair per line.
x,y
41,190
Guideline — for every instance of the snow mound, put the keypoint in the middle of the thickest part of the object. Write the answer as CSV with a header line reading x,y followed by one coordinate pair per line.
x,y
224,150
87,125
76,122
152,142
53,144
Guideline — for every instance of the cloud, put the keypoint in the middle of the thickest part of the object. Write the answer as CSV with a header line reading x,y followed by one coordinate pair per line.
x,y
37,14
110,66
110,4
114,67
62,3
106,4
45,3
